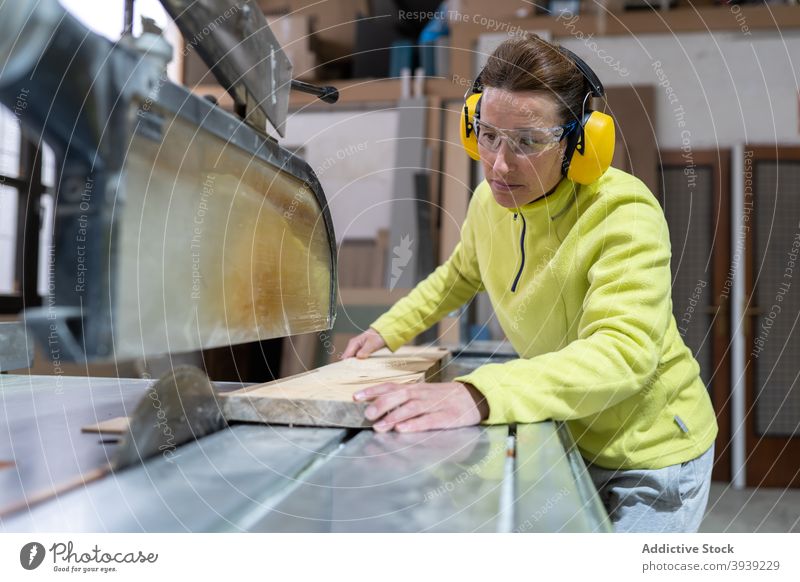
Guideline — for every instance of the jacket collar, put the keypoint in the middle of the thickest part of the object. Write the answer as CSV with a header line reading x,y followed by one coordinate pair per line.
x,y
552,204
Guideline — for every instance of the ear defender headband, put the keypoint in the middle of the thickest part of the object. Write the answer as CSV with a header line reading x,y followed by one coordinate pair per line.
x,y
590,143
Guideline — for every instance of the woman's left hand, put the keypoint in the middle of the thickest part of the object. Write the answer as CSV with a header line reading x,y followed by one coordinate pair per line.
x,y
423,406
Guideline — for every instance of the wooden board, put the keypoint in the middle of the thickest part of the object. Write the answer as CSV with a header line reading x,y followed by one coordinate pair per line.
x,y
116,425
324,397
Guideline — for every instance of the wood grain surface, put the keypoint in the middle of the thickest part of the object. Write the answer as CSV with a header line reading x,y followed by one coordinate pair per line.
x,y
116,425
324,397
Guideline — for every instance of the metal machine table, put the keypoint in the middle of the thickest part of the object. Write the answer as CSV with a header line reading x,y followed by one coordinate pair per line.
x,y
252,477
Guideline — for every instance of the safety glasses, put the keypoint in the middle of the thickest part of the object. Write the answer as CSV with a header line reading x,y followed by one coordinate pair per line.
x,y
529,141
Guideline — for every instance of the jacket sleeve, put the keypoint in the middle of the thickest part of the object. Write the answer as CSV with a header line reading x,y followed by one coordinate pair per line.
x,y
626,313
449,287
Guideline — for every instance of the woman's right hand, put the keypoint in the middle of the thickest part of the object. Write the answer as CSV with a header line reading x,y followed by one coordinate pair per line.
x,y
364,344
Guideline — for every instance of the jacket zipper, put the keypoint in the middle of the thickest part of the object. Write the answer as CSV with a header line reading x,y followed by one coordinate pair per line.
x,y
522,253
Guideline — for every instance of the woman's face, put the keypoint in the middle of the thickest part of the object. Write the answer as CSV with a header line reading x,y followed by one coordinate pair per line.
x,y
517,180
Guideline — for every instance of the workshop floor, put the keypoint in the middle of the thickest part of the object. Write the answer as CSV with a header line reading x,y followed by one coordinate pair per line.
x,y
752,510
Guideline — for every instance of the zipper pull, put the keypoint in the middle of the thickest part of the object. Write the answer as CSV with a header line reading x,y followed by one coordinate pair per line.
x,y
515,216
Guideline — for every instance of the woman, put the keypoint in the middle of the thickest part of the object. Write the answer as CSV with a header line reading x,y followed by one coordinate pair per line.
x,y
579,278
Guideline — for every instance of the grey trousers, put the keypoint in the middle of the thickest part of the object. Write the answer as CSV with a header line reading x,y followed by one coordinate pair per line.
x,y
672,499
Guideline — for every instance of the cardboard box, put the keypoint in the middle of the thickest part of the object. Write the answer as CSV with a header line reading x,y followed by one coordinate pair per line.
x,y
479,11
293,33
333,25
304,64
291,30
274,6
603,7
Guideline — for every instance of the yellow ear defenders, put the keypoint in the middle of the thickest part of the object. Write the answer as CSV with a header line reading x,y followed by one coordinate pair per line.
x,y
590,144
471,112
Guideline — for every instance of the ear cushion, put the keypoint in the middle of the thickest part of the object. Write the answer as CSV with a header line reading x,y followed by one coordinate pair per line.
x,y
469,138
589,155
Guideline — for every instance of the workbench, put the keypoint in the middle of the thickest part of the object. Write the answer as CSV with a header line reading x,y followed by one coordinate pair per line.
x,y
261,478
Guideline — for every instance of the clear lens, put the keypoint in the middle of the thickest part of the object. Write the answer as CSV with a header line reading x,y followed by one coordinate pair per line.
x,y
522,142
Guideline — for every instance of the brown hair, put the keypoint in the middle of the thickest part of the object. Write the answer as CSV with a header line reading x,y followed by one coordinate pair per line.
x,y
529,63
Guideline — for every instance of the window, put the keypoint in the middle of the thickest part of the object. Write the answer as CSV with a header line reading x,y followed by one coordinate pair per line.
x,y
9,201
27,186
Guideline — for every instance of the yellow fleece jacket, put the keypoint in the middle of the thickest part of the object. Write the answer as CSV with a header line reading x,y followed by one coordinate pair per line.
x,y
580,283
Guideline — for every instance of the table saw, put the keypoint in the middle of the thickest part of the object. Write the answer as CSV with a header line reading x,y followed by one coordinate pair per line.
x,y
268,478
180,226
